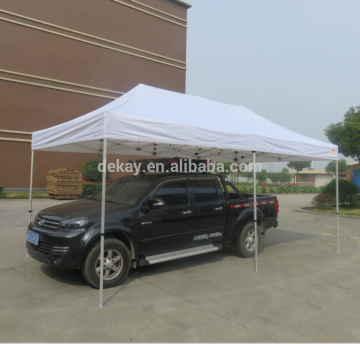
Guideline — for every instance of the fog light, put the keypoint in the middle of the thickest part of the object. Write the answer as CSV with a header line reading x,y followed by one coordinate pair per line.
x,y
57,261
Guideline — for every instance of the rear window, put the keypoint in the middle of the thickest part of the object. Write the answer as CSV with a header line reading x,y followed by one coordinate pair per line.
x,y
205,191
233,192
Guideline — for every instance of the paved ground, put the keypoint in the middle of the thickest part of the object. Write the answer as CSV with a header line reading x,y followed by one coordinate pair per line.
x,y
304,291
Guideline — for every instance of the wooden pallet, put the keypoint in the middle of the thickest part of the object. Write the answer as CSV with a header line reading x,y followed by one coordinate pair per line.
x,y
64,183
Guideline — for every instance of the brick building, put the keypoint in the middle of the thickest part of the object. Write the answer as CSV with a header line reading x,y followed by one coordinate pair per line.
x,y
352,173
349,172
62,59
312,177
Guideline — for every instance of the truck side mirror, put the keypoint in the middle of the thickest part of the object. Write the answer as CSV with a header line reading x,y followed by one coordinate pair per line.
x,y
154,203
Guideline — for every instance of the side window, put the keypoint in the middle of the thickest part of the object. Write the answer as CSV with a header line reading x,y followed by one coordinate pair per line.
x,y
173,194
205,191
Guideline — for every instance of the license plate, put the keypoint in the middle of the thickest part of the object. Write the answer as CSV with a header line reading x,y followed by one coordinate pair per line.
x,y
33,238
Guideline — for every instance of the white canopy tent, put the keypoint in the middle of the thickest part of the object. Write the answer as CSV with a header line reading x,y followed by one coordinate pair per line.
x,y
151,121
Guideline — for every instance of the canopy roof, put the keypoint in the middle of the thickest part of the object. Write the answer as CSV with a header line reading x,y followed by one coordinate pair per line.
x,y
151,121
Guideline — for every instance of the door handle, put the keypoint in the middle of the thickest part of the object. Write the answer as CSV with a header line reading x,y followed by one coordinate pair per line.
x,y
186,212
218,208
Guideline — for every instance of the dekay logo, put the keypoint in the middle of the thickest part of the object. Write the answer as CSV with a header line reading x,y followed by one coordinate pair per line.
x,y
186,166
121,167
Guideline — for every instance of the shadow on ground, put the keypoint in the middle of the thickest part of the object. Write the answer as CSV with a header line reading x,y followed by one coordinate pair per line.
x,y
74,277
70,277
278,236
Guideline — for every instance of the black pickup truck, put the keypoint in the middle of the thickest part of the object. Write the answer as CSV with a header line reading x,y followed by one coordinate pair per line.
x,y
150,218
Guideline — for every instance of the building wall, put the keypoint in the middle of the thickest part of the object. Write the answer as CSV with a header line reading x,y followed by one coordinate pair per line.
x,y
311,178
62,59
323,179
305,178
349,171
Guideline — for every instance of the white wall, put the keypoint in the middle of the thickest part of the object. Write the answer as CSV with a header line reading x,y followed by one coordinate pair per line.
x,y
321,179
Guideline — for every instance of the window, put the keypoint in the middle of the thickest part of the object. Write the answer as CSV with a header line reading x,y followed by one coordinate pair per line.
x,y
173,194
205,191
233,192
125,190
304,177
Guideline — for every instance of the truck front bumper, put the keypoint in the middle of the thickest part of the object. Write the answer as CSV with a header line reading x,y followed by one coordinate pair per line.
x,y
58,249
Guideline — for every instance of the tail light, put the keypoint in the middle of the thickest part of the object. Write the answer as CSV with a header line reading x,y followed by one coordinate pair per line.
x,y
276,203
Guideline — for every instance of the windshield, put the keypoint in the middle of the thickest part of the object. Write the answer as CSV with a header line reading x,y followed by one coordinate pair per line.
x,y
125,191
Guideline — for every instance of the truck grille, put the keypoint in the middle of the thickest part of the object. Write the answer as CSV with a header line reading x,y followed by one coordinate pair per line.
x,y
42,247
48,248
43,222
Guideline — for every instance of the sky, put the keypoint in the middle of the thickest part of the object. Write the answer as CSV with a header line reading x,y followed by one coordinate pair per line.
x,y
296,63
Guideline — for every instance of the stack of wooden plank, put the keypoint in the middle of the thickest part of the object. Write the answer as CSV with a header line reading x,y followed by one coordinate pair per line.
x,y
64,183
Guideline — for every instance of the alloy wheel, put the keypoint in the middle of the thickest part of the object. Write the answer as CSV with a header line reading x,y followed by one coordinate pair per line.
x,y
113,263
250,240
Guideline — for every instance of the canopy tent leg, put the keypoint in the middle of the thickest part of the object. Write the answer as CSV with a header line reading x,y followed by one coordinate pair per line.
x,y
337,206
30,191
102,231
255,213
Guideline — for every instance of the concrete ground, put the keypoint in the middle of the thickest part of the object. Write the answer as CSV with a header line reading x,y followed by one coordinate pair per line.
x,y
304,291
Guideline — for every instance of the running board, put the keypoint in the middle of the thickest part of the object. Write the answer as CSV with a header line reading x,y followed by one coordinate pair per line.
x,y
164,257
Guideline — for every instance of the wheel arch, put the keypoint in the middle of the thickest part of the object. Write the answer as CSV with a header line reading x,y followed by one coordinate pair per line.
x,y
247,217
116,234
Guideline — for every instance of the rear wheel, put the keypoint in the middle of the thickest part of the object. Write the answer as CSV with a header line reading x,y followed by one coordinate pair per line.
x,y
116,264
245,244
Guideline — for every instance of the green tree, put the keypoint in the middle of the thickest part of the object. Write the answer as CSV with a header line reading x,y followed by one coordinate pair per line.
x,y
346,134
285,176
274,177
299,165
261,177
91,171
331,166
249,175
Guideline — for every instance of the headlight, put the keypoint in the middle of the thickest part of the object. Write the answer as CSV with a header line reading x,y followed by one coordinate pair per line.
x,y
74,225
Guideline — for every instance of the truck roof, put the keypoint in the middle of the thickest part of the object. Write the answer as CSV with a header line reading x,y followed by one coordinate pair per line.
x,y
157,176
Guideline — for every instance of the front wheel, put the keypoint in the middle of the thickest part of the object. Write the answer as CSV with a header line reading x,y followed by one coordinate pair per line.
x,y
245,244
116,264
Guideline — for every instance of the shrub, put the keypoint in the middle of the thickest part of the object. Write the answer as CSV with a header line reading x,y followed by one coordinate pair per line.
x,y
244,189
314,189
272,190
91,189
91,171
286,188
281,189
347,190
322,188
324,200
1,189
356,200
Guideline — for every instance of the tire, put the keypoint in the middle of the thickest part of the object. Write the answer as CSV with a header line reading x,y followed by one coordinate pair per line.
x,y
245,244
116,264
